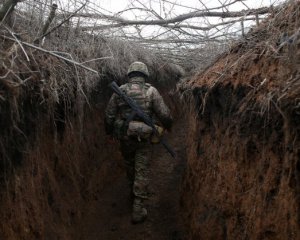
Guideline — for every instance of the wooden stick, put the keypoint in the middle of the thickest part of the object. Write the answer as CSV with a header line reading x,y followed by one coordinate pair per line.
x,y
48,22
257,19
7,8
243,28
65,20
18,42
53,54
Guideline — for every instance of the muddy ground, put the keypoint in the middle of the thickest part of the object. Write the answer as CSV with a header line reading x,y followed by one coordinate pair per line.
x,y
109,217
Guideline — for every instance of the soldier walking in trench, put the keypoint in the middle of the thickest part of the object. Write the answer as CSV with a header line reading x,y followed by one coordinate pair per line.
x,y
135,136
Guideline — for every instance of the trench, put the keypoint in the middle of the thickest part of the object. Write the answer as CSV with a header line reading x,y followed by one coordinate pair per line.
x,y
61,179
237,174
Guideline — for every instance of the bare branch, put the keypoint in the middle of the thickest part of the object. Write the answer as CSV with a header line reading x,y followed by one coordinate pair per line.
x,y
53,54
177,26
180,18
48,22
64,21
18,42
7,8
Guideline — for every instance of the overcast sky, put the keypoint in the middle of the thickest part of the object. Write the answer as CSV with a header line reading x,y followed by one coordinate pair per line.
x,y
169,10
162,9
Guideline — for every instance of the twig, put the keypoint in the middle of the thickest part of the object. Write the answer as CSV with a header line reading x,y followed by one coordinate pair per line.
x,y
96,59
6,74
7,8
48,22
6,14
18,41
65,20
53,54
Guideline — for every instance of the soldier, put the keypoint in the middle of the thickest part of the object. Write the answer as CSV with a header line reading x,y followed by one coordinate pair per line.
x,y
135,135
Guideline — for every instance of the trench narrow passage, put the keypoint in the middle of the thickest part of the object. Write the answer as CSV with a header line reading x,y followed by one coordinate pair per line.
x,y
110,216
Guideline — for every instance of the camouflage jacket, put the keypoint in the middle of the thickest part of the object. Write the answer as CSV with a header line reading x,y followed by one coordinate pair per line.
x,y
146,96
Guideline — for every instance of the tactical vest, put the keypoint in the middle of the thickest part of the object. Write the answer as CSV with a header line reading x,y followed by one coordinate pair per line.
x,y
138,92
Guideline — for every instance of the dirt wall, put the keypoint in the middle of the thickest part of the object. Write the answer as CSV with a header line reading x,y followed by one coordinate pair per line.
x,y
44,196
54,158
243,172
54,155
242,179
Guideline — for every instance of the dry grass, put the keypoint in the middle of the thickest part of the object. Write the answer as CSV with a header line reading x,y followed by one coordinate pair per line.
x,y
266,62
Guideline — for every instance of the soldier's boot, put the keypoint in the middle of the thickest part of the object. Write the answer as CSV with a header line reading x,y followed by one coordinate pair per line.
x,y
139,212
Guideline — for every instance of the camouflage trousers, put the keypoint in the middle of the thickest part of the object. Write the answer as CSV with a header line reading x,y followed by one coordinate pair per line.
x,y
136,155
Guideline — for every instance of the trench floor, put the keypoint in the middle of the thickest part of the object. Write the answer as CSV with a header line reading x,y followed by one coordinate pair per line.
x,y
109,218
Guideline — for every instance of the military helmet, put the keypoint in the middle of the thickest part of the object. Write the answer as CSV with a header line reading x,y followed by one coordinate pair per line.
x,y
138,67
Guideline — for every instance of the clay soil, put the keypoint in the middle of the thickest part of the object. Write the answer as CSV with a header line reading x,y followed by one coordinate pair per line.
x,y
109,216
243,158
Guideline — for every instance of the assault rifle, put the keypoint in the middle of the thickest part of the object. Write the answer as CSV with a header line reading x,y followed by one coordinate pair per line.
x,y
137,111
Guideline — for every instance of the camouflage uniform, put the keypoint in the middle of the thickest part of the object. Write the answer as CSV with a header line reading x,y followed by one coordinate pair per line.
x,y
136,152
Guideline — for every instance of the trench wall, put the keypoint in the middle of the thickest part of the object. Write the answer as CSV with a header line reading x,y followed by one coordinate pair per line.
x,y
54,157
54,174
243,170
